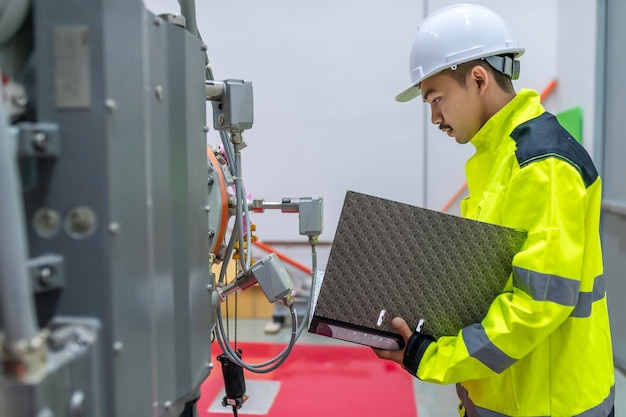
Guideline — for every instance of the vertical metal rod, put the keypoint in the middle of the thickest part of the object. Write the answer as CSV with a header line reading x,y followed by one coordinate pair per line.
x,y
16,302
188,9
11,18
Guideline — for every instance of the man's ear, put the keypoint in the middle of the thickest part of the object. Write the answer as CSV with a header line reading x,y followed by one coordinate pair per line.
x,y
479,78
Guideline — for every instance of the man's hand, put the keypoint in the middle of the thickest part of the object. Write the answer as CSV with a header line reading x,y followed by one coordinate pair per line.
x,y
400,327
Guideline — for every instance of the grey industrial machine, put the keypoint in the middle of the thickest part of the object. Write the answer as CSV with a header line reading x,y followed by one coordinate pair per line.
x,y
109,230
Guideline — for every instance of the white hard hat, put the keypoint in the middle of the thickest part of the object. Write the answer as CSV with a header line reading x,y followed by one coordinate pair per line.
x,y
457,34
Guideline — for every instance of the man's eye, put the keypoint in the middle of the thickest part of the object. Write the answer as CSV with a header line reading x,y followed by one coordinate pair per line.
x,y
436,100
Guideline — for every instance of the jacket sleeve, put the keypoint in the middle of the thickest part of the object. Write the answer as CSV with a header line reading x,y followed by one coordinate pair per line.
x,y
547,198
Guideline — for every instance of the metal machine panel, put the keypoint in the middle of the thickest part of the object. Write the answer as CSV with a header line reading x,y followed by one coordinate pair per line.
x,y
129,192
160,221
76,182
128,185
190,223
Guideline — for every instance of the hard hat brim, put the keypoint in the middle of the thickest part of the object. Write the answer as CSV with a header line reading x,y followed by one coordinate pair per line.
x,y
414,90
409,93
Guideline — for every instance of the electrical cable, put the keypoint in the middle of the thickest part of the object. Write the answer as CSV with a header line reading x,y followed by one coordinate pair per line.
x,y
305,318
242,205
263,367
229,249
222,338
296,330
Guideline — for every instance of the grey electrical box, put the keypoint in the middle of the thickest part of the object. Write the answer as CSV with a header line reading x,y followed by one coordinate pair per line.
x,y
272,277
234,111
311,218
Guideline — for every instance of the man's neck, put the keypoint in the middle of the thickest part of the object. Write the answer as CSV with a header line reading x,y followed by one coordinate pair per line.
x,y
498,101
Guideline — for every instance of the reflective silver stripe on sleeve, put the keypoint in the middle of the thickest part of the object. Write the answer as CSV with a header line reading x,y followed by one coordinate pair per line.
x,y
472,410
546,287
480,347
585,299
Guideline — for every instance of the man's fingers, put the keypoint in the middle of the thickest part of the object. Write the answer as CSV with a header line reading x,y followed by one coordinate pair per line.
x,y
400,326
390,355
382,354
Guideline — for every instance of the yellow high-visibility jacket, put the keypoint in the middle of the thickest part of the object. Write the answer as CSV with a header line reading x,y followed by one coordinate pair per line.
x,y
544,347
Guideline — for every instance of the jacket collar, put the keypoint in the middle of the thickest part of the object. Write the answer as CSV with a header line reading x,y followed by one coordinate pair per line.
x,y
501,124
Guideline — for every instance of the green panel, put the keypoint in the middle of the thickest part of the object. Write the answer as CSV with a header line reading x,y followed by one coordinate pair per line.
x,y
572,120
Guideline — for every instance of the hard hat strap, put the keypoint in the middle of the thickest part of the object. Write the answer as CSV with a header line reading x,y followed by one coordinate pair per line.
x,y
505,64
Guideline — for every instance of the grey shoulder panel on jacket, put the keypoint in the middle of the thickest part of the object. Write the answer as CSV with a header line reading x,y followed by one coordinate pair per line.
x,y
543,137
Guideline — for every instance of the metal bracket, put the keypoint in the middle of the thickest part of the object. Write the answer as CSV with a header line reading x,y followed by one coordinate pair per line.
x,y
174,19
39,140
47,272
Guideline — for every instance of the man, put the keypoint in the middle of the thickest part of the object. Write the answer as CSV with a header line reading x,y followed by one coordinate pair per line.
x,y
544,346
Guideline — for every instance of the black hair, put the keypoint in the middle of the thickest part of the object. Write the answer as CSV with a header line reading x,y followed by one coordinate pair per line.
x,y
460,74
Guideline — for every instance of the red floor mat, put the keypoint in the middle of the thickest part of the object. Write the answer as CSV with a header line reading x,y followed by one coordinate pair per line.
x,y
322,380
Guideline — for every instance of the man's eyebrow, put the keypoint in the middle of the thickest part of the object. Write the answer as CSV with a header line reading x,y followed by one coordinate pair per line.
x,y
427,93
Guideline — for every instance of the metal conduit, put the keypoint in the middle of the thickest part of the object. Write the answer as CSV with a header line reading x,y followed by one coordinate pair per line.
x,y
16,301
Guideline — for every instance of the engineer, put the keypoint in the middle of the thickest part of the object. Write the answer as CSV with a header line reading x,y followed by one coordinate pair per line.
x,y
544,346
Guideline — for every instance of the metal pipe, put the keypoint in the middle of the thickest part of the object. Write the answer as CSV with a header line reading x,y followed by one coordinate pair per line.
x,y
286,206
239,284
12,15
16,302
214,90
188,9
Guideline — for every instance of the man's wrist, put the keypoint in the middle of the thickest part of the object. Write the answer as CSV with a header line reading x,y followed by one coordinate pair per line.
x,y
414,351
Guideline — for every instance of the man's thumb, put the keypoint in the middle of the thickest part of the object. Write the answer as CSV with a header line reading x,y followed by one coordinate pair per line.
x,y
400,326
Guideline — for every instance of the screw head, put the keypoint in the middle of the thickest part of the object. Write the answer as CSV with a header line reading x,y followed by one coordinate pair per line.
x,y
46,222
80,222
118,347
114,228
45,276
19,100
40,141
110,105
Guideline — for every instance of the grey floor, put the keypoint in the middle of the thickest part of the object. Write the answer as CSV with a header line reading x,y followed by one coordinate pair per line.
x,y
431,399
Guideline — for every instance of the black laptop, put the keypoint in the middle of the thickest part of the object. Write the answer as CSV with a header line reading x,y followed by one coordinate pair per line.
x,y
437,271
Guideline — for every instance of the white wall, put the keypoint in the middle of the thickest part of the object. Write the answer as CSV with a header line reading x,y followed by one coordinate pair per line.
x,y
325,74
576,61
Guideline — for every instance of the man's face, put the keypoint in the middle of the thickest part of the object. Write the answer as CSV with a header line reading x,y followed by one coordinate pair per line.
x,y
457,110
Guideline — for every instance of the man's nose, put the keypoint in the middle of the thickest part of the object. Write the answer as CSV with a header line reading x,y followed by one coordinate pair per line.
x,y
435,116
